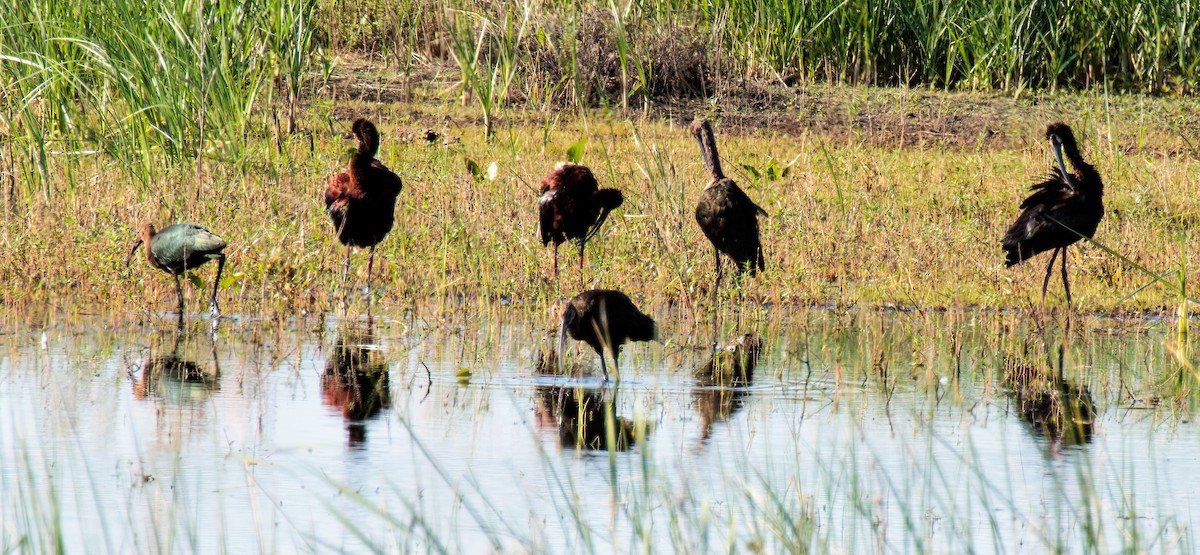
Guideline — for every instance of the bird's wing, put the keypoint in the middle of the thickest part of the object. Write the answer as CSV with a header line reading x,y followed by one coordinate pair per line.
x,y
1053,191
741,199
207,241
1048,202
387,178
335,193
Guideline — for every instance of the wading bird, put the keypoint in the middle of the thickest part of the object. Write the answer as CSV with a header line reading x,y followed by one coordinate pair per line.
x,y
726,215
1063,208
179,248
361,201
573,207
605,320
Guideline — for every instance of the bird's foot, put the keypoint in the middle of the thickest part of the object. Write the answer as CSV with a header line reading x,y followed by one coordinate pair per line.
x,y
214,311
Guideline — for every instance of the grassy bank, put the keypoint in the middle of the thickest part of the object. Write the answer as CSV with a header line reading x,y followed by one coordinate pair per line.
x,y
233,116
864,214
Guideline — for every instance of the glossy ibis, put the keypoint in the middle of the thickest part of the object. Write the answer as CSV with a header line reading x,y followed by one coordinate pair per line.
x,y
1061,209
573,207
361,201
178,248
605,320
726,215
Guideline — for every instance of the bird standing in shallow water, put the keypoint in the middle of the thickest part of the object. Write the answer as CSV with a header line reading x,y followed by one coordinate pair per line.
x,y
1063,208
179,248
605,319
573,207
726,215
361,201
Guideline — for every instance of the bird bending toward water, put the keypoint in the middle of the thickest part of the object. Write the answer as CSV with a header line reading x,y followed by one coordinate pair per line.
x,y
361,201
178,248
605,319
1061,210
573,207
726,215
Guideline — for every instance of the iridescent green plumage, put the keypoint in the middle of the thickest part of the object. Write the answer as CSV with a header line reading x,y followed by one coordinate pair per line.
x,y
179,248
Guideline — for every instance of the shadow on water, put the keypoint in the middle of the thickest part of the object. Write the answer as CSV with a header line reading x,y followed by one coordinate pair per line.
x,y
1059,412
356,379
721,382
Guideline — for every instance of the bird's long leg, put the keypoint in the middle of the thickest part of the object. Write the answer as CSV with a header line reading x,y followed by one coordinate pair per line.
x,y
556,261
179,290
370,264
214,308
346,267
1049,269
717,264
603,365
1066,284
581,244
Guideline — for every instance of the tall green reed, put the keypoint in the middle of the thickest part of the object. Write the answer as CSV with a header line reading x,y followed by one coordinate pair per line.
x,y
146,85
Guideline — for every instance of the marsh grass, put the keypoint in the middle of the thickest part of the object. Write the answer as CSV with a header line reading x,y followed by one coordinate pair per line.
x,y
890,196
853,221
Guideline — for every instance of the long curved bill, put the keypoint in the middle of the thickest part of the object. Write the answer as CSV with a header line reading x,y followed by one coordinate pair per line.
x,y
567,317
1062,167
129,258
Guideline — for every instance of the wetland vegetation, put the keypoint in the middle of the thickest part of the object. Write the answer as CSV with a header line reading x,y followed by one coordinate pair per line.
x,y
894,387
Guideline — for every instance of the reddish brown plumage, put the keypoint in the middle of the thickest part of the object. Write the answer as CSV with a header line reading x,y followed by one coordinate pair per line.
x,y
361,201
573,206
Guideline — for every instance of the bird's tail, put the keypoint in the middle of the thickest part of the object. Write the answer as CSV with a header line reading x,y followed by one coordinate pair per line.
x,y
643,328
608,199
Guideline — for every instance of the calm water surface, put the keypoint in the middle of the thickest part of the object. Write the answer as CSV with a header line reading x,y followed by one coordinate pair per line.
x,y
872,432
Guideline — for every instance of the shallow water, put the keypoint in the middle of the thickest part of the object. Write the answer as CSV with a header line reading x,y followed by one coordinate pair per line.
x,y
869,432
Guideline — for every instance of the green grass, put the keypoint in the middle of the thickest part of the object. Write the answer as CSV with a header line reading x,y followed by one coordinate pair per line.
x,y
232,116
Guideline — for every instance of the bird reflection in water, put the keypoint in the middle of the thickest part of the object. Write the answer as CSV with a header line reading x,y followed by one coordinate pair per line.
x,y
583,418
721,382
356,380
179,386
1060,412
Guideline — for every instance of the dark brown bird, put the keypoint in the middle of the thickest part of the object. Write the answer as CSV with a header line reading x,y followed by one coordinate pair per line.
x,y
605,320
179,248
573,207
1063,208
726,215
361,201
